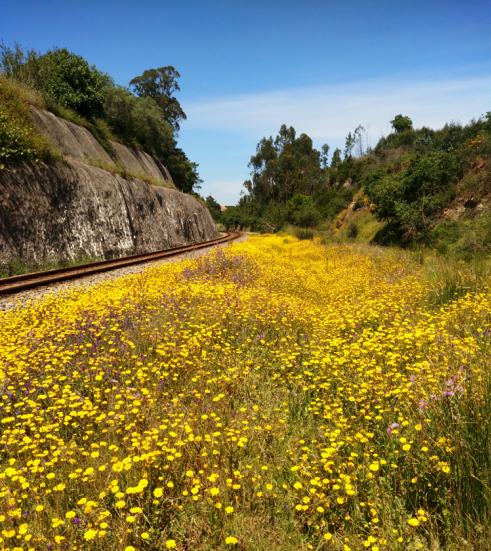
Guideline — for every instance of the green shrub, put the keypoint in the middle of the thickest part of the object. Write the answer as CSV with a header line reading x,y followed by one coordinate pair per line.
x,y
214,207
303,233
59,75
307,217
273,218
331,200
352,230
71,82
413,195
20,139
296,203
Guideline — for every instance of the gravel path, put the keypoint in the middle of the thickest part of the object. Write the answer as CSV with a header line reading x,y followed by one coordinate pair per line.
x,y
19,300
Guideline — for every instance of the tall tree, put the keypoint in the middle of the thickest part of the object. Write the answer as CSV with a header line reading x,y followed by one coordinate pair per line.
x,y
325,155
359,140
336,158
349,145
283,167
160,84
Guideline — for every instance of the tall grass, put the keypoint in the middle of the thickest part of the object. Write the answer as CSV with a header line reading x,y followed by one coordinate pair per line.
x,y
450,278
19,266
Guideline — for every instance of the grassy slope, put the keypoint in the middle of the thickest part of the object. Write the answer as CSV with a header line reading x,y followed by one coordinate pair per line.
x,y
20,139
462,228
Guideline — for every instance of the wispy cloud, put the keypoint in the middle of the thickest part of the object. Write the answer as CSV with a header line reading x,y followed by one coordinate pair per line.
x,y
222,132
329,112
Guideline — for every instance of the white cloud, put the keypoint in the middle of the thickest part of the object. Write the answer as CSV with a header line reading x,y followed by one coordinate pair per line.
x,y
328,113
221,133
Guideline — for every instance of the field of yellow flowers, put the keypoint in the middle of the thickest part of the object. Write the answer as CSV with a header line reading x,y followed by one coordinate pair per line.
x,y
280,394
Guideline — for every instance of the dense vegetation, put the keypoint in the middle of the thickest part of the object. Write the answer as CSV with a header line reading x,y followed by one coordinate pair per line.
x,y
64,83
409,190
19,138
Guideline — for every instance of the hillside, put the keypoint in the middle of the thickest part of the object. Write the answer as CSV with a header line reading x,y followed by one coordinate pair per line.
x,y
417,187
145,117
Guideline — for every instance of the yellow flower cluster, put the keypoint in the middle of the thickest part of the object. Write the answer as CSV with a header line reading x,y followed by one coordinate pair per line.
x,y
279,384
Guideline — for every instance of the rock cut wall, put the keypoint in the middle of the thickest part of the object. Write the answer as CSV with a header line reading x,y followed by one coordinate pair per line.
x,y
71,210
78,143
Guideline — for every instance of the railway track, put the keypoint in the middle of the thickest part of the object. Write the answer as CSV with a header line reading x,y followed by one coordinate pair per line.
x,y
16,284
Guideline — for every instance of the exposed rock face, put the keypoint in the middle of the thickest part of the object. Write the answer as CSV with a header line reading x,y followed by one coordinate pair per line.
x,y
71,209
69,138
78,143
139,161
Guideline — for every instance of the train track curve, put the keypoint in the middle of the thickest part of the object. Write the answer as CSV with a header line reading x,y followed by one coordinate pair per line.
x,y
17,284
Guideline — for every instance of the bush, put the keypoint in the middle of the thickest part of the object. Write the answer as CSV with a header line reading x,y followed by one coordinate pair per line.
x,y
330,201
273,218
307,217
352,230
411,196
119,112
19,137
303,234
296,203
72,83
214,207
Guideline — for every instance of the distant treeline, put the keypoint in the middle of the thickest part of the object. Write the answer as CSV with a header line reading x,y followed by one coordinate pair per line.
x,y
405,182
145,115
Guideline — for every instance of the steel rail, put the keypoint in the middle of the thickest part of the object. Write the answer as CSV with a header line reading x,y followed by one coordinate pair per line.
x,y
25,282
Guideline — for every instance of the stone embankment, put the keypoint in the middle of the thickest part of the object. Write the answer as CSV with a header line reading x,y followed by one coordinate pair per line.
x,y
71,210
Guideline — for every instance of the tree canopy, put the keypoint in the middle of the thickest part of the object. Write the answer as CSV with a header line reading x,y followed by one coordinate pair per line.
x,y
283,167
159,84
400,124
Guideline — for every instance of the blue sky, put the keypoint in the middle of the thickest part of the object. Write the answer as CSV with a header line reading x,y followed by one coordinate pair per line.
x,y
249,66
